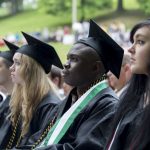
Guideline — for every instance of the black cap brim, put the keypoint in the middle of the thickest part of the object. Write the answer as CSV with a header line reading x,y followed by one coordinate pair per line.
x,y
54,57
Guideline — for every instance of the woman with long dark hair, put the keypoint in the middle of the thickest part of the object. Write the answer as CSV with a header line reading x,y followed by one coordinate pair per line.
x,y
131,129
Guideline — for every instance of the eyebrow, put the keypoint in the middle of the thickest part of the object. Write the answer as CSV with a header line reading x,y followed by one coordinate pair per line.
x,y
15,59
140,35
69,55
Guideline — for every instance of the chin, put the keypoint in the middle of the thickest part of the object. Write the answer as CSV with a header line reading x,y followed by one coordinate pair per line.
x,y
68,82
134,70
137,71
14,82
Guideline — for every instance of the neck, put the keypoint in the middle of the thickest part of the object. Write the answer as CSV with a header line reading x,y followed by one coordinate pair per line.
x,y
82,89
8,86
119,87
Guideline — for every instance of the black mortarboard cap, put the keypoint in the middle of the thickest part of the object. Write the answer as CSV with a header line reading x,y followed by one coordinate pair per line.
x,y
9,53
109,51
43,53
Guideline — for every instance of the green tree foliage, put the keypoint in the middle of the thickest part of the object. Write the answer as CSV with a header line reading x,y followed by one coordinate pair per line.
x,y
54,6
59,6
1,1
95,4
145,5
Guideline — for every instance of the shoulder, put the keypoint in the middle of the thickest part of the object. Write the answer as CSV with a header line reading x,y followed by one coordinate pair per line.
x,y
5,105
107,95
105,101
49,99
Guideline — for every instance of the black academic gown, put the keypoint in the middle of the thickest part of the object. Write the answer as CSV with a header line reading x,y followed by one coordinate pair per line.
x,y
90,129
127,128
43,110
4,108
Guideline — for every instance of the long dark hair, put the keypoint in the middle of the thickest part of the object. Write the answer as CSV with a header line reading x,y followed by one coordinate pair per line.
x,y
137,92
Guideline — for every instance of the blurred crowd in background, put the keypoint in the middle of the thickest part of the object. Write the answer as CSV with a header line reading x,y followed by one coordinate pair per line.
x,y
68,35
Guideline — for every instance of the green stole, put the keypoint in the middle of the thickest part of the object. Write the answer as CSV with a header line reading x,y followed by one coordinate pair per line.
x,y
62,125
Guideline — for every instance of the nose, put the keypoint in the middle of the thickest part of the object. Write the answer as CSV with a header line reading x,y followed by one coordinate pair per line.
x,y
131,49
67,65
12,68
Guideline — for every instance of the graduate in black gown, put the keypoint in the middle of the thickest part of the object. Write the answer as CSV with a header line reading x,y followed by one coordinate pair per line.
x,y
84,117
33,96
131,128
5,78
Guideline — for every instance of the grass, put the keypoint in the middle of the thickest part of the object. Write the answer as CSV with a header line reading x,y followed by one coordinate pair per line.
x,y
61,49
30,21
34,20
3,12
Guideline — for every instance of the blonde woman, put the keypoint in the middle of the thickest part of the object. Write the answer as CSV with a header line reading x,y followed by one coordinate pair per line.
x,y
33,97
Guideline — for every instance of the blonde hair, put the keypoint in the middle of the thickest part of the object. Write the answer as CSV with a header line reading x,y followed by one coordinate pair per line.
x,y
25,98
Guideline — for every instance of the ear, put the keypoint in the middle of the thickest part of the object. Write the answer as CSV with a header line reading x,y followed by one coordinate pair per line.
x,y
98,67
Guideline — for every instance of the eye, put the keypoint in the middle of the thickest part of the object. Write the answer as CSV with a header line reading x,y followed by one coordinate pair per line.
x,y
17,63
74,58
140,42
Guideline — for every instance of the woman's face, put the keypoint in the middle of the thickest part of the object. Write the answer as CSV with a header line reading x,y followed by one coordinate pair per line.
x,y
140,51
15,69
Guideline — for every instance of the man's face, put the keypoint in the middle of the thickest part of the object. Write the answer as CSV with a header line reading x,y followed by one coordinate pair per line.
x,y
78,70
4,72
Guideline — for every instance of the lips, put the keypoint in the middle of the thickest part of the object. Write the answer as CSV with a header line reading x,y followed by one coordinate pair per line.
x,y
12,75
132,60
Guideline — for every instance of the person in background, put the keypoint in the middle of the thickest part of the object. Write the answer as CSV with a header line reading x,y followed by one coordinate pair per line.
x,y
66,88
120,85
56,78
6,84
5,79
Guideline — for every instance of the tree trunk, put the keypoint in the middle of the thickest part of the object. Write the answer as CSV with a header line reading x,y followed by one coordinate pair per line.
x,y
20,5
16,6
120,6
